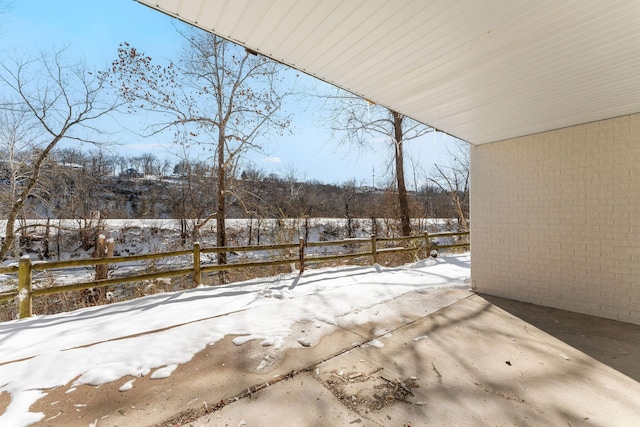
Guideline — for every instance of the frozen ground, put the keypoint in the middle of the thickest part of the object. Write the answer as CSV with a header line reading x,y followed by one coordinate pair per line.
x,y
155,235
151,336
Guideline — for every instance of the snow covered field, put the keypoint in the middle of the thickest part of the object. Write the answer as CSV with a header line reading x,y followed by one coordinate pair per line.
x,y
151,336
141,236
135,237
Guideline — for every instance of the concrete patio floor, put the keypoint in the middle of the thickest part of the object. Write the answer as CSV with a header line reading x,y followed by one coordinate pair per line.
x,y
449,357
480,361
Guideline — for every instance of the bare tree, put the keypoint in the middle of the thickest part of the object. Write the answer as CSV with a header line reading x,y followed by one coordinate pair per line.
x,y
219,96
453,178
190,195
349,192
149,164
45,102
71,187
364,123
100,165
5,8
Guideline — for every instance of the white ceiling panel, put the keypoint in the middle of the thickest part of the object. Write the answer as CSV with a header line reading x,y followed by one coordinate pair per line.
x,y
480,70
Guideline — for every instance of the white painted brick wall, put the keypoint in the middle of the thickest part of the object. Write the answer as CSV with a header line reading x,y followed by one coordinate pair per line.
x,y
556,218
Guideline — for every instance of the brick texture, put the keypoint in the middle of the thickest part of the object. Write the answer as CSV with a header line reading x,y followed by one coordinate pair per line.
x,y
556,218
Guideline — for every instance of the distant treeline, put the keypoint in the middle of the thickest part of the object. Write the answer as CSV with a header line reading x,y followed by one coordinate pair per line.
x,y
75,184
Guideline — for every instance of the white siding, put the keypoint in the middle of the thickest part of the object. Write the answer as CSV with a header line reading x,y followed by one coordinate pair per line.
x,y
556,218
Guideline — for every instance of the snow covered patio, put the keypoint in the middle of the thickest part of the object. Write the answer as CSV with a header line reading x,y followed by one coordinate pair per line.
x,y
357,345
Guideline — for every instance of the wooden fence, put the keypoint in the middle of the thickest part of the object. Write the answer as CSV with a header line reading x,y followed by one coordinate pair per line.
x,y
25,291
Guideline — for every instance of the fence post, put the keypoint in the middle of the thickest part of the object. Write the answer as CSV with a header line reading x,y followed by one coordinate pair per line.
x,y
104,249
427,245
374,250
301,255
197,275
25,301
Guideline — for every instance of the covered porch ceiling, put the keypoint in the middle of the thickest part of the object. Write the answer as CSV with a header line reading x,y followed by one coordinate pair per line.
x,y
482,71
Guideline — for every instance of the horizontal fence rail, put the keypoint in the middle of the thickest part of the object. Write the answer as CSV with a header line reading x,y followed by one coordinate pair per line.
x,y
367,247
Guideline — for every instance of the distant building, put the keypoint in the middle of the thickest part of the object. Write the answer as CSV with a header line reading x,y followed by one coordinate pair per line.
x,y
131,174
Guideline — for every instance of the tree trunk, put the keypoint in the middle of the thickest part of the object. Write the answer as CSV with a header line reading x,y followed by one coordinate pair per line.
x,y
10,233
462,221
405,218
46,253
10,238
221,234
348,215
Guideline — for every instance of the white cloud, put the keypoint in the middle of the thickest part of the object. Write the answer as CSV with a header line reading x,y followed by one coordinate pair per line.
x,y
272,160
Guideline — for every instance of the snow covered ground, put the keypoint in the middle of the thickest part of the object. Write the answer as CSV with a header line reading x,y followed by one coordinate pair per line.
x,y
153,335
142,236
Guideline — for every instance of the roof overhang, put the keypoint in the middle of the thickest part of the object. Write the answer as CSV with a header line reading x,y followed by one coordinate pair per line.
x,y
482,71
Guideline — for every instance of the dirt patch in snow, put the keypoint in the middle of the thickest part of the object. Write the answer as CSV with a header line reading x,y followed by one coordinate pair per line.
x,y
367,392
5,400
218,370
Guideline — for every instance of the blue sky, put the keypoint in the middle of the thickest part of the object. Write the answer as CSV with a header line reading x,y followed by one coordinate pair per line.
x,y
92,30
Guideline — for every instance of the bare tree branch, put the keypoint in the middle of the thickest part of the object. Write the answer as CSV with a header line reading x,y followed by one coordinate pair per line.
x,y
363,124
453,178
47,101
218,96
